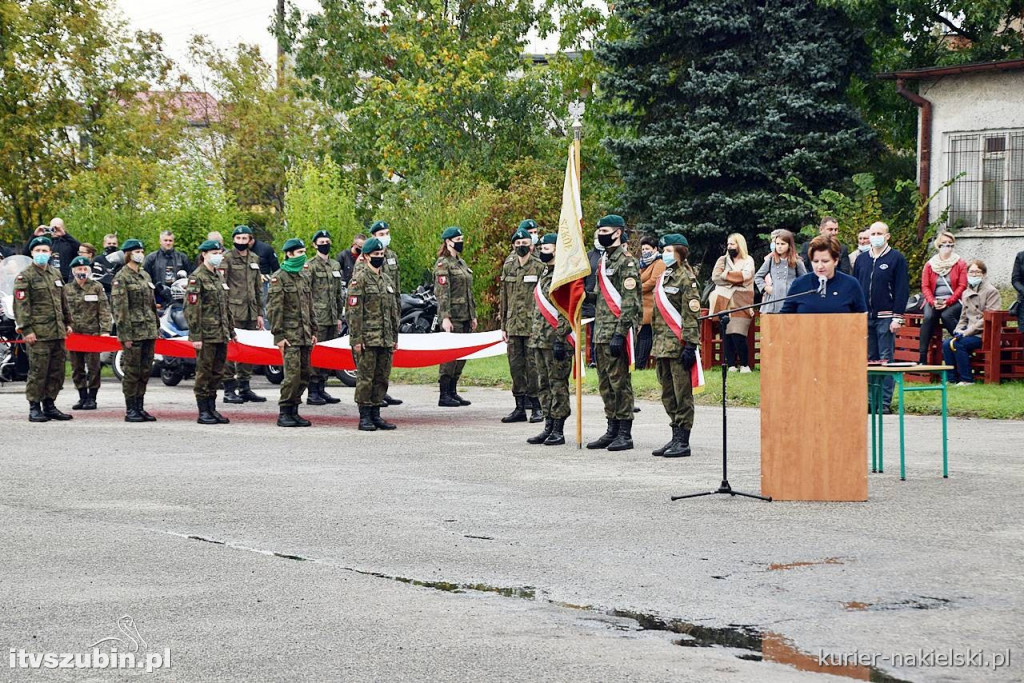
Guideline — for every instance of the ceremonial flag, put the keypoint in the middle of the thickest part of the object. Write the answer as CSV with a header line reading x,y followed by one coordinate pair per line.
x,y
571,262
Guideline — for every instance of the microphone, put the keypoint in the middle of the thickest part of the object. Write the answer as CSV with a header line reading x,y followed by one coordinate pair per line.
x,y
821,286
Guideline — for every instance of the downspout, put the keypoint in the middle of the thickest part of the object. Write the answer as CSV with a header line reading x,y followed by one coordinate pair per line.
x,y
924,168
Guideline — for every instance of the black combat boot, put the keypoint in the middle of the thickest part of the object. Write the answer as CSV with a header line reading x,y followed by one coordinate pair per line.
x,y
661,451
230,393
51,411
90,403
140,403
446,400
624,439
378,421
35,413
681,446
285,417
313,395
205,416
246,393
540,438
83,399
392,401
609,435
303,422
323,392
557,436
455,394
536,414
212,404
131,413
365,420
519,414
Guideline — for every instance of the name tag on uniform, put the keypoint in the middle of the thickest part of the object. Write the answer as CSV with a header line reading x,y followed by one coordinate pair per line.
x,y
610,271
58,283
254,266
151,285
672,290
392,261
529,278
91,297
224,285
336,273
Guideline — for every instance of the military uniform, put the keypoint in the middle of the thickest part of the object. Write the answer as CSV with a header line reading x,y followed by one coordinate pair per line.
x,y
90,314
453,287
245,302
134,305
328,292
552,371
208,312
290,309
41,308
678,286
373,323
516,308
390,270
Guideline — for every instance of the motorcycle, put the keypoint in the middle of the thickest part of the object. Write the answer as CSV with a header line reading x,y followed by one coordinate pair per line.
x,y
13,358
172,326
419,312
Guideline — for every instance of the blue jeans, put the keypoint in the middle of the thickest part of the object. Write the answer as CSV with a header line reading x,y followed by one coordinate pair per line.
x,y
880,347
960,357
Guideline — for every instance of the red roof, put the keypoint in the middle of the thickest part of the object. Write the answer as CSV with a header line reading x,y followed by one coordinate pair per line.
x,y
199,108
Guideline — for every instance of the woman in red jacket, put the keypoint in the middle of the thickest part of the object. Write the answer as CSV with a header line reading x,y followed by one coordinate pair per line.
x,y
942,283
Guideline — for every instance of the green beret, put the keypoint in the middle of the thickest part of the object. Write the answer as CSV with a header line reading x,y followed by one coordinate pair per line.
x,y
550,238
320,233
521,234
378,226
210,245
131,245
39,242
242,230
293,244
80,261
528,224
612,221
451,233
673,238
371,245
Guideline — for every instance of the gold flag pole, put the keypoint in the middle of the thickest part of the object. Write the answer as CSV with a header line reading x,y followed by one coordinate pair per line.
x,y
581,338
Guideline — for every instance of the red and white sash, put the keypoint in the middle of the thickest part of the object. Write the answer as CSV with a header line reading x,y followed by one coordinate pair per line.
x,y
674,319
614,301
550,313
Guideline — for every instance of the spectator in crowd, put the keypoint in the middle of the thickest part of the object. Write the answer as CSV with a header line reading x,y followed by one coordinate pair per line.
x,y
979,297
836,292
734,288
268,260
348,258
1017,278
882,273
106,265
829,226
863,244
163,265
943,281
87,250
779,270
64,247
651,268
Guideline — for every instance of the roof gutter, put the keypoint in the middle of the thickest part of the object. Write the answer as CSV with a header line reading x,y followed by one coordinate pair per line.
x,y
924,167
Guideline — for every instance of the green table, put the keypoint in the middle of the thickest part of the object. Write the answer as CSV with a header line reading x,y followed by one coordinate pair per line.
x,y
876,385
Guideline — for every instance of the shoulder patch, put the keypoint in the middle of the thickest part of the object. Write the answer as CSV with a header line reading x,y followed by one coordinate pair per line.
x,y
273,279
629,283
353,283
20,295
114,283
20,277
694,305
353,300
442,280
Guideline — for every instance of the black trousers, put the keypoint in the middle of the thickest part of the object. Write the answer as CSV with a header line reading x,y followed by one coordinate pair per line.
x,y
644,343
735,350
949,316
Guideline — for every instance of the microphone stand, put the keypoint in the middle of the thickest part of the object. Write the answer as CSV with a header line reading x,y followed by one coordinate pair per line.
x,y
723,321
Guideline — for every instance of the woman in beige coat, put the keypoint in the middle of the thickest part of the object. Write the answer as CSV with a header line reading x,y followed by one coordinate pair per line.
x,y
734,287
979,297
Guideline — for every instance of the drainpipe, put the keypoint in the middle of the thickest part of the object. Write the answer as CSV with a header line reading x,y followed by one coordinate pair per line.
x,y
924,168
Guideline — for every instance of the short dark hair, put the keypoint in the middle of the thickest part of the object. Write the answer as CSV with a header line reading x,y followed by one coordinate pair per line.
x,y
649,241
824,243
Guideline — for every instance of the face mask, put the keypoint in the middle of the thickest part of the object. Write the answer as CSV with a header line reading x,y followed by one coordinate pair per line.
x,y
974,281
534,238
863,247
606,239
459,246
647,259
385,240
215,259
138,256
547,257
241,246
522,250
109,250
324,249
376,261
669,258
597,244
294,264
772,247
40,259
733,253
81,276
877,241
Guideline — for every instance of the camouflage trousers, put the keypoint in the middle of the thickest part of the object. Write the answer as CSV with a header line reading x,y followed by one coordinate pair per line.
x,y
137,363
615,383
553,382
676,392
296,374
522,365
453,370
45,370
373,371
240,371
210,364
323,333
85,369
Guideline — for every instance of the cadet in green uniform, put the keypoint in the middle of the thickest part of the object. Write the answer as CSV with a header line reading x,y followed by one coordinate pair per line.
x,y
453,287
290,309
241,268
676,335
617,312
328,290
42,318
373,333
382,231
550,347
519,276
210,328
90,314
133,300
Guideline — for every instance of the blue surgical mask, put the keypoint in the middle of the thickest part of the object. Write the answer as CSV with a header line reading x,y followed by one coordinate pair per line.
x,y
863,247
771,246
385,240
215,259
974,281
40,259
669,258
877,241
534,237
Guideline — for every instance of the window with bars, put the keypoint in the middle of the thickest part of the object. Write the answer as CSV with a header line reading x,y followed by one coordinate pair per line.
x,y
988,169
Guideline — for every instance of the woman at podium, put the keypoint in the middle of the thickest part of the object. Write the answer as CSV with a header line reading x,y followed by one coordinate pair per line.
x,y
825,289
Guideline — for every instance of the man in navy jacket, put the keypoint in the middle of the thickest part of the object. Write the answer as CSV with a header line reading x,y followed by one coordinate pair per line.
x,y
882,273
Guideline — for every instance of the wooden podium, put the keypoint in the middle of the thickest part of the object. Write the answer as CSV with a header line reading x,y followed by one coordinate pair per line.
x,y
814,399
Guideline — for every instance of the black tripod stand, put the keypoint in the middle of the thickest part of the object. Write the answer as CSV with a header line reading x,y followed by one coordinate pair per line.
x,y
723,321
